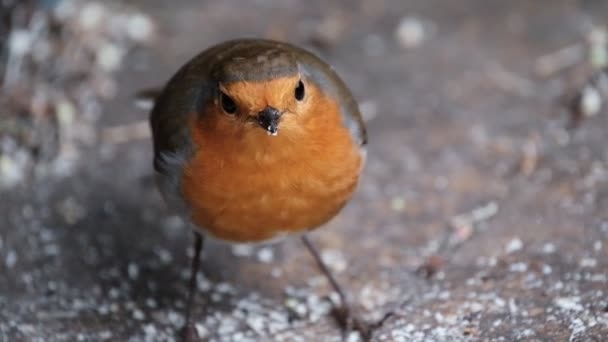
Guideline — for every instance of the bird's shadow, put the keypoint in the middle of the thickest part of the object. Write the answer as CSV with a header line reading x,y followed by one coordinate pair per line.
x,y
130,248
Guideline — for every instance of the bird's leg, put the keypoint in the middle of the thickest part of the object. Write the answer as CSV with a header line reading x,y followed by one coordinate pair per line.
x,y
343,315
189,331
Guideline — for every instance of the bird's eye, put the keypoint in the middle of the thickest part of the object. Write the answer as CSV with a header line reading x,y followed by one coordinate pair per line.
x,y
228,104
299,92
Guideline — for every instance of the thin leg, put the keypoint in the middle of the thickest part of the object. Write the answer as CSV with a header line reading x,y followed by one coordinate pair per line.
x,y
189,331
344,316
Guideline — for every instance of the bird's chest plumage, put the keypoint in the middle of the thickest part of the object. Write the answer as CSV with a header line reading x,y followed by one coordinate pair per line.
x,y
242,191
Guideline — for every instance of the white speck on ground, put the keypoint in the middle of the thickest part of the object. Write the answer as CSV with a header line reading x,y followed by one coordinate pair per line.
x,y
176,319
398,204
139,315
276,272
514,245
133,271
140,27
597,246
11,259
513,309
569,303
549,248
151,303
265,255
256,323
518,267
577,326
334,259
242,250
105,335
410,32
150,330
588,263
224,287
201,330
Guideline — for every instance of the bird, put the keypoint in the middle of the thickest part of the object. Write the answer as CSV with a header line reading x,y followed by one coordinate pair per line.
x,y
256,140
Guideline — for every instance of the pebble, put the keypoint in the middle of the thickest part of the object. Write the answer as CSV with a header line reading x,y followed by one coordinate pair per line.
x,y
140,28
265,255
334,259
588,263
410,32
549,248
569,303
242,250
518,267
514,245
11,259
138,315
133,271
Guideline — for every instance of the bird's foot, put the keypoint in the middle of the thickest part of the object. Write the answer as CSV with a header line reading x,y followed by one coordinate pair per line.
x,y
188,333
350,322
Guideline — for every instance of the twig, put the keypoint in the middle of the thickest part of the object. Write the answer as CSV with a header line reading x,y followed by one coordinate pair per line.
x,y
126,133
559,60
510,81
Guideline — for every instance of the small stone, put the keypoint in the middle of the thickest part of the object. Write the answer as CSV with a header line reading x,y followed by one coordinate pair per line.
x,y
92,15
369,110
151,303
224,288
51,250
398,204
133,271
265,255
569,303
164,256
109,57
588,263
590,101
140,28
138,315
549,248
514,245
201,330
410,32
513,307
334,259
150,330
173,222
256,323
11,172
20,43
354,336
519,267
242,250
105,335
11,259
103,310
276,272
597,246
176,319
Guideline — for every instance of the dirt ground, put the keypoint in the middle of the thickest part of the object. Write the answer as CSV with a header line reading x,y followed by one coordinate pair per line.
x,y
470,166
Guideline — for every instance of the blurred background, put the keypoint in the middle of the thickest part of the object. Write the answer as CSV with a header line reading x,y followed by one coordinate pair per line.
x,y
482,214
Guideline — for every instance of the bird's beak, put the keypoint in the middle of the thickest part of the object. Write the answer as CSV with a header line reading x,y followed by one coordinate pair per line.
x,y
269,120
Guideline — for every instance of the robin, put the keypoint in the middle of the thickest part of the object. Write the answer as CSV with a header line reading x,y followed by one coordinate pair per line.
x,y
255,140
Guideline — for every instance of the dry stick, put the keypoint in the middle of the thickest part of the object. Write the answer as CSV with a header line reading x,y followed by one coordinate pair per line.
x,y
550,64
126,133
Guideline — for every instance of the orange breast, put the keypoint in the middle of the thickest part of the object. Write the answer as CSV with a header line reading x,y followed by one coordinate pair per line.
x,y
252,187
